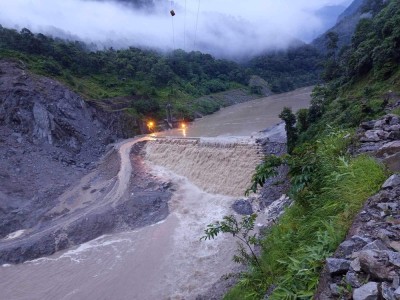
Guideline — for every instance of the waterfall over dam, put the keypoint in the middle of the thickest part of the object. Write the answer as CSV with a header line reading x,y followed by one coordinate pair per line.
x,y
214,165
162,259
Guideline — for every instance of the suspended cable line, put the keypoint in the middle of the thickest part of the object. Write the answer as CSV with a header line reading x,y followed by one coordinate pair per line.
x,y
184,30
197,24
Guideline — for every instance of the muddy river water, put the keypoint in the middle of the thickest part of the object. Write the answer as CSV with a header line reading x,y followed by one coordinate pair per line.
x,y
166,260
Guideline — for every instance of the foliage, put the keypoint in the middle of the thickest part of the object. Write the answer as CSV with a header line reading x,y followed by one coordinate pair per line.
x,y
144,74
302,120
291,131
288,69
241,230
331,65
330,193
265,170
177,77
328,185
375,44
396,111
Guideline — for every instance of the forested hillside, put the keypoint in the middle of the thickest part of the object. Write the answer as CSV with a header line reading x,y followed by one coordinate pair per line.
x,y
363,76
289,69
329,185
149,78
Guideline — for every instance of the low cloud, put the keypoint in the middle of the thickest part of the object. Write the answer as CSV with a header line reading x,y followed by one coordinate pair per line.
x,y
225,28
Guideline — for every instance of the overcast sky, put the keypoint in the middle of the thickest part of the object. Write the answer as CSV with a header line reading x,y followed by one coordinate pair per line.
x,y
229,28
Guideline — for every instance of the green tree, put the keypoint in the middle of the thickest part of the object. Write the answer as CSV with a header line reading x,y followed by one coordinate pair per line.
x,y
291,132
302,120
241,230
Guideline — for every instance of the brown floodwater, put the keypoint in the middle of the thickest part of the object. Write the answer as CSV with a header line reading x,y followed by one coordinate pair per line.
x,y
166,260
244,119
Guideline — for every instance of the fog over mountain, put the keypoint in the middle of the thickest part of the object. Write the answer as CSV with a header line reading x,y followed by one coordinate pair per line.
x,y
225,28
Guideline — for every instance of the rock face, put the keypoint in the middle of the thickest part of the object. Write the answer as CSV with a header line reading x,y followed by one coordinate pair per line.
x,y
368,291
50,139
372,249
382,139
373,243
274,187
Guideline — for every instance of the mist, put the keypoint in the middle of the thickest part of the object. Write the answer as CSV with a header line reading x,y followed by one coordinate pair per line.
x,y
225,28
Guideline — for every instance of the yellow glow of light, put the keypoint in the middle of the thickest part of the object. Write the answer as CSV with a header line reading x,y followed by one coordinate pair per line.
x,y
150,124
183,125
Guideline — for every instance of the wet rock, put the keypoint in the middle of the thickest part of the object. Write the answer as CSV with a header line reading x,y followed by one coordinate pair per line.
x,y
392,128
352,279
355,265
396,281
394,120
242,207
392,182
375,245
368,291
393,162
397,293
337,266
392,206
372,136
335,289
389,149
369,147
368,125
375,263
394,135
354,244
394,258
395,245
387,291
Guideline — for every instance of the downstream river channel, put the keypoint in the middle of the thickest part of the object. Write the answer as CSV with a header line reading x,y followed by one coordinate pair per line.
x,y
166,260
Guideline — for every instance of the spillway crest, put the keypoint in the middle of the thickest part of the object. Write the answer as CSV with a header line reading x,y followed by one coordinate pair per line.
x,y
216,167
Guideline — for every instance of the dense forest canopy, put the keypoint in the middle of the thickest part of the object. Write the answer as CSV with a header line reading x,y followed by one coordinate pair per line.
x,y
367,67
153,75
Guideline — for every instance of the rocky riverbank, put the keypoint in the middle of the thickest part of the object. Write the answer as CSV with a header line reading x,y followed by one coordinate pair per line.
x,y
269,203
366,266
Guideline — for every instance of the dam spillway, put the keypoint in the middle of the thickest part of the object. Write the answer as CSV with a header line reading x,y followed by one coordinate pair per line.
x,y
215,165
164,260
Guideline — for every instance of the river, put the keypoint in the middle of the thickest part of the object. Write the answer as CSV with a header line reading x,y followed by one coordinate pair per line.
x,y
166,260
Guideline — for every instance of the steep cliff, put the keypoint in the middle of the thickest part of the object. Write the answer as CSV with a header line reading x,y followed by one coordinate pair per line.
x,y
49,138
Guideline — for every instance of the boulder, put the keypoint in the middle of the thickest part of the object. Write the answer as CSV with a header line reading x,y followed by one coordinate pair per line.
x,y
393,162
375,245
242,207
337,266
353,280
368,291
394,135
387,291
392,128
354,244
355,265
371,136
389,149
375,263
395,245
368,125
335,289
392,182
397,293
394,120
394,258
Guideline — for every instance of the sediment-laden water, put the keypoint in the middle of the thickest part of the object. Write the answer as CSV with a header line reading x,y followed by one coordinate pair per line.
x,y
166,260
